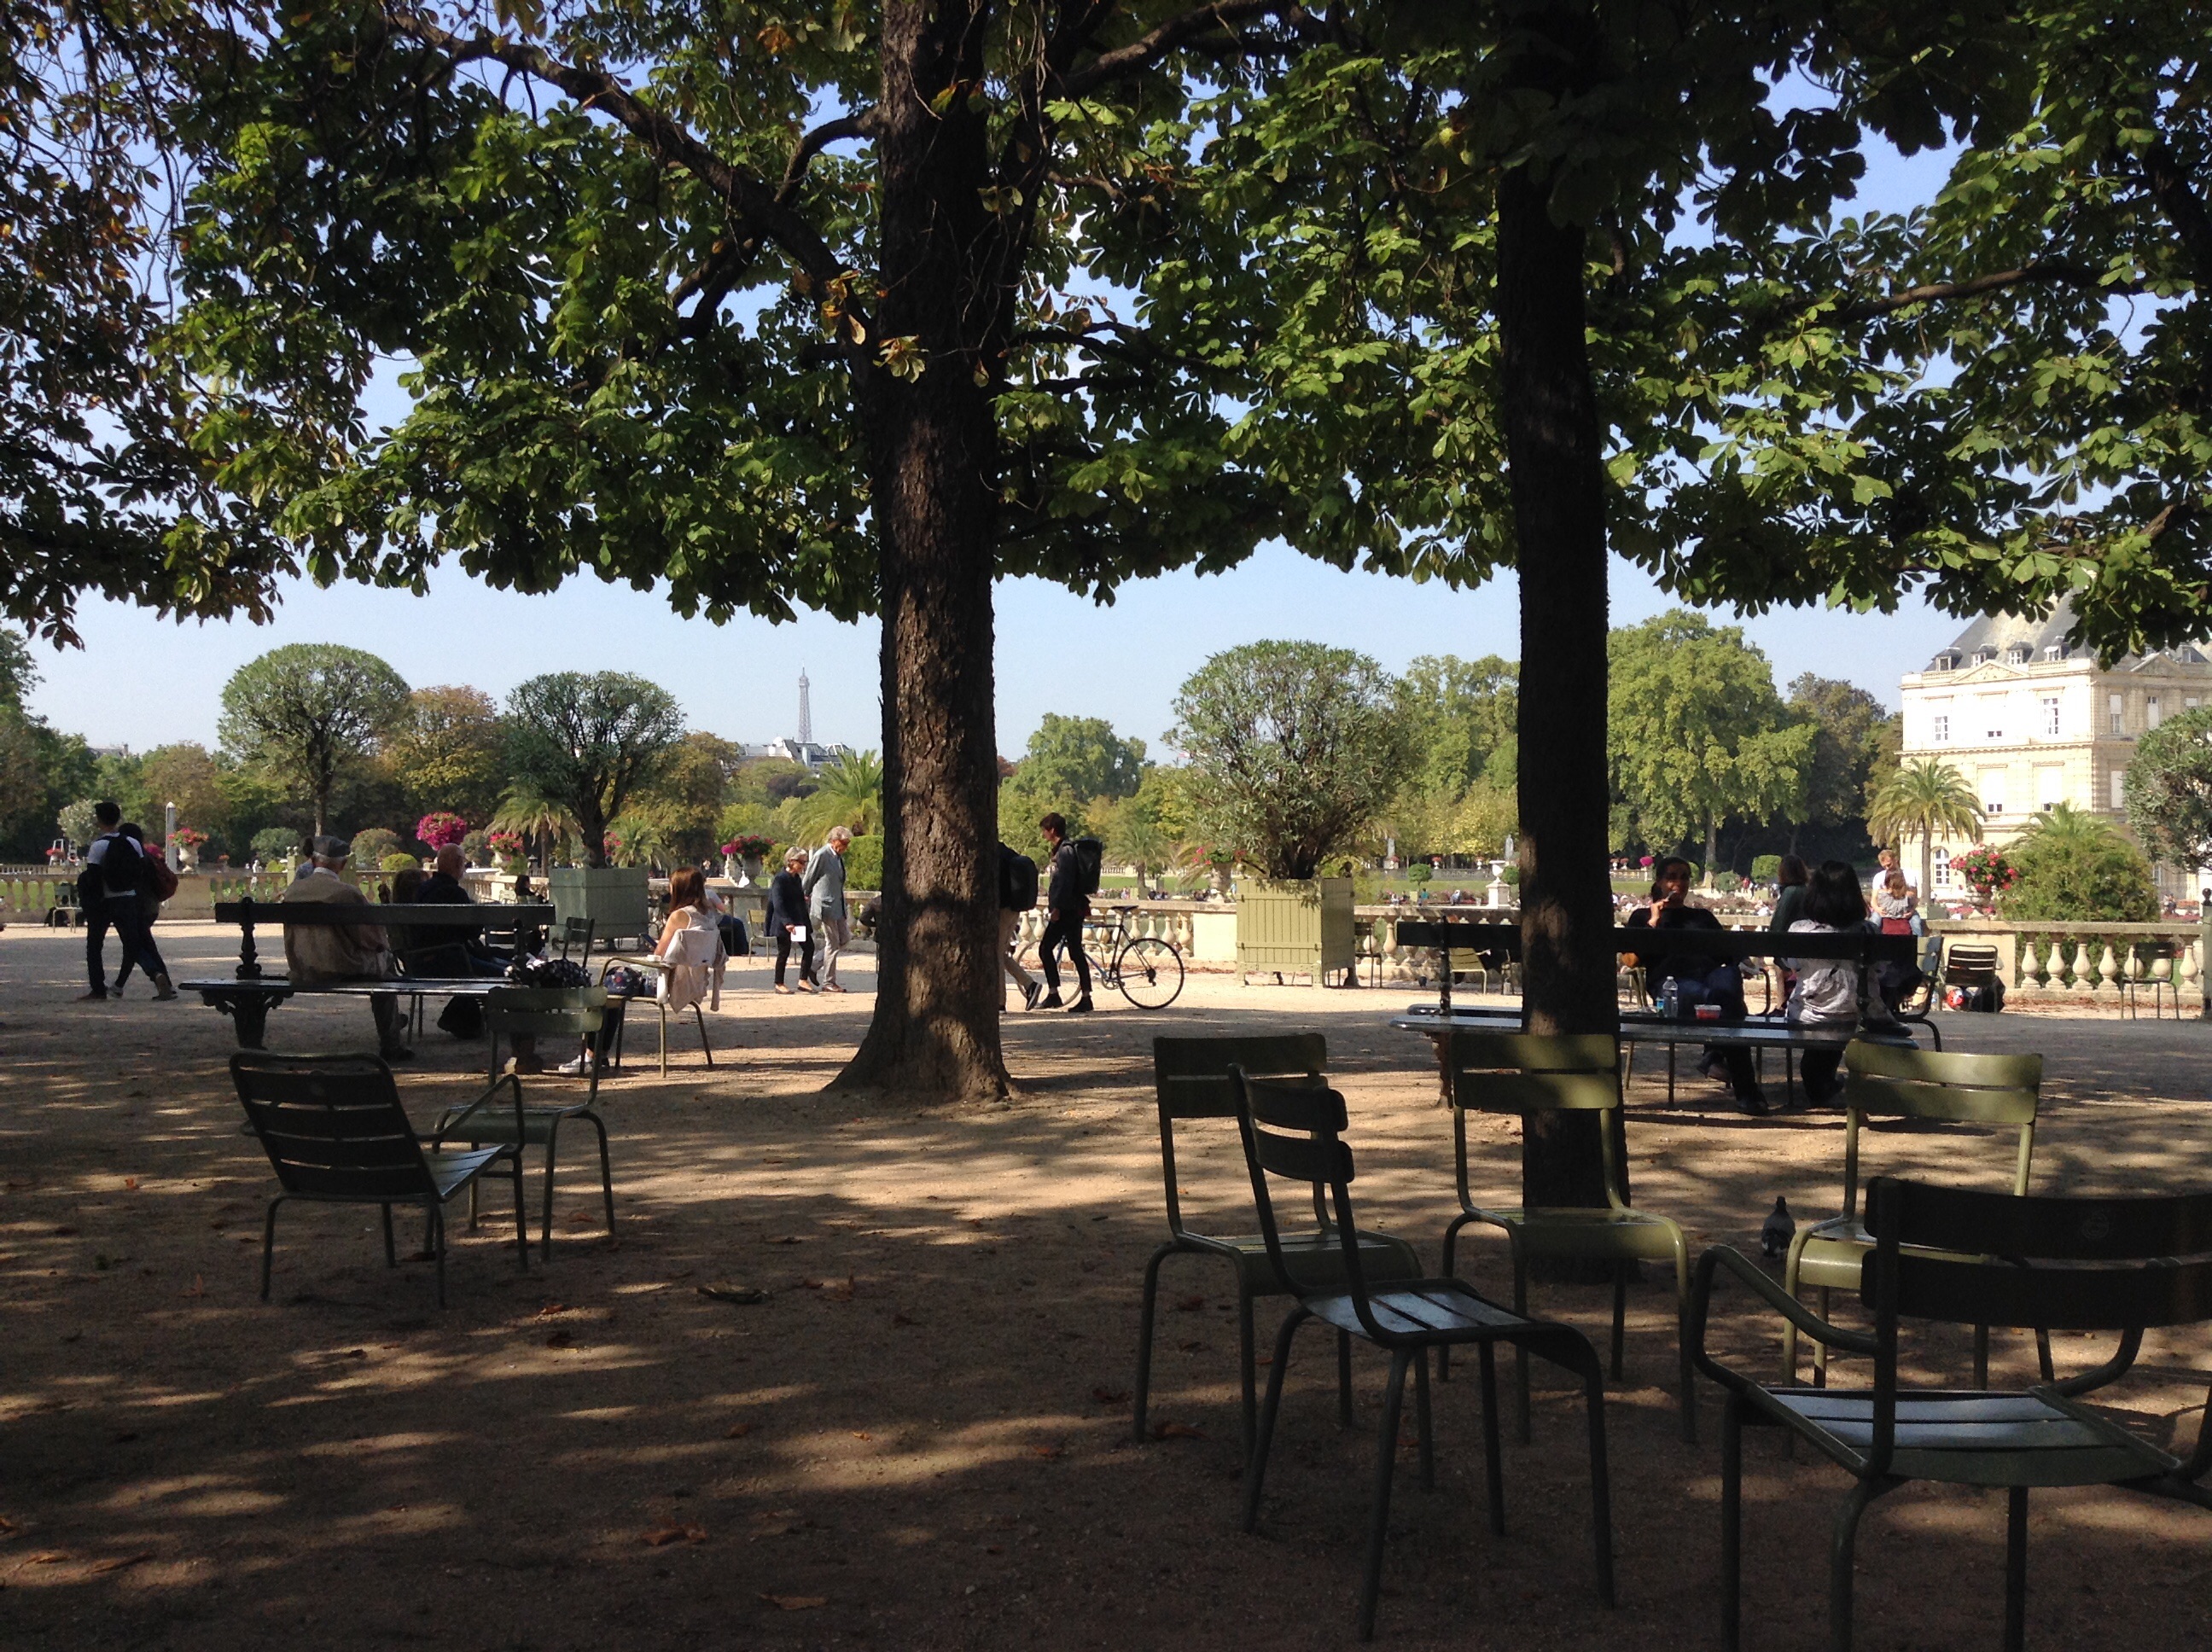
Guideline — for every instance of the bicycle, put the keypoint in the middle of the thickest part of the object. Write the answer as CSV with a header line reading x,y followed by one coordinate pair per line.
x,y
1147,969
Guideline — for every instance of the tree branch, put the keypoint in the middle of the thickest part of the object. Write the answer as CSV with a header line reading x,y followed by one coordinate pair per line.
x,y
860,126
2056,272
746,193
2172,187
1143,52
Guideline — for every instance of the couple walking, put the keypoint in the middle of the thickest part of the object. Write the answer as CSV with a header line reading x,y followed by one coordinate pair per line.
x,y
807,899
119,890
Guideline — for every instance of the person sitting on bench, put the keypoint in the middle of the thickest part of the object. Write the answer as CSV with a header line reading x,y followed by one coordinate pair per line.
x,y
318,953
1699,977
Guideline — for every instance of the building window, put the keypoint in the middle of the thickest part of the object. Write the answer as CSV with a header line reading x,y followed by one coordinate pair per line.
x,y
2189,702
1993,735
2120,789
2117,707
2054,651
1942,728
1993,808
1943,867
2017,657
2051,717
2150,712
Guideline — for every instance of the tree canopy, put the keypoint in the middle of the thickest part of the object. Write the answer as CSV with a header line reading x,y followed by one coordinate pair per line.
x,y
1293,749
449,752
2169,790
2075,868
1923,799
303,712
586,743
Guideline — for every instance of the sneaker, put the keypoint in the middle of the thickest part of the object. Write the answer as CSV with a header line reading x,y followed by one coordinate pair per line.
x,y
1051,1001
523,1066
163,991
93,995
1081,1007
579,1068
1754,1102
1031,991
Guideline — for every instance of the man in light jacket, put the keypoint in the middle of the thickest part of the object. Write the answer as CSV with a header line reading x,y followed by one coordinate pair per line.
x,y
824,883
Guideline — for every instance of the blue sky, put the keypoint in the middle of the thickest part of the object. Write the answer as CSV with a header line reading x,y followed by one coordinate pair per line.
x,y
144,681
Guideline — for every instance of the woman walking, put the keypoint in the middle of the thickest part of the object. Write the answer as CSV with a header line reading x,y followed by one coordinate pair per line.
x,y
786,917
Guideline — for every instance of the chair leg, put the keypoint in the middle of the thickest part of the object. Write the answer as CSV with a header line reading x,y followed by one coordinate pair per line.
x,y
1981,1355
1493,1466
663,1040
1732,1524
522,1214
433,1240
1385,1461
1255,1467
699,1015
1146,1304
1689,1375
2015,1630
1619,1313
1451,1249
1820,1348
390,1251
1344,1379
1247,1372
1842,1550
269,1241
606,1172
1421,1420
1601,1478
1520,1353
552,1141
2042,1354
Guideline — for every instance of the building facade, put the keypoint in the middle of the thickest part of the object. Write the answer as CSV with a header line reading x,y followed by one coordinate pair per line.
x,y
2031,723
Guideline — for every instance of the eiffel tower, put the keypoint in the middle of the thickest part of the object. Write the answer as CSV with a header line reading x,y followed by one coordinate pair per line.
x,y
806,712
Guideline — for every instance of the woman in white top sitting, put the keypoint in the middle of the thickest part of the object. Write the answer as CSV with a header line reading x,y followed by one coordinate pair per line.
x,y
1827,988
690,943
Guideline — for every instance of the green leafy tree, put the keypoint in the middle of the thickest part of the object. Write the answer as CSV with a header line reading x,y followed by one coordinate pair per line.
x,y
1293,748
586,742
536,817
800,309
307,712
449,753
186,774
1848,728
1075,759
2169,791
274,843
1926,798
2075,867
848,793
1699,733
372,847
683,805
1459,716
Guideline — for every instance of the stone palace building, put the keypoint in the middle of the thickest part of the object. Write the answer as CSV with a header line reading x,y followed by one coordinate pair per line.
x,y
2030,722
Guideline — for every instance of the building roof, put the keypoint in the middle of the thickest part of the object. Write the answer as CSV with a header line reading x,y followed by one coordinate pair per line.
x,y
1997,635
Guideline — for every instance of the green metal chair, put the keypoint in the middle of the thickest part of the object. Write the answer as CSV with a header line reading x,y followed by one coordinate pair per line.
x,y
564,1013
1526,1076
1971,1258
1885,1081
1190,1081
2141,974
336,1135
1295,1131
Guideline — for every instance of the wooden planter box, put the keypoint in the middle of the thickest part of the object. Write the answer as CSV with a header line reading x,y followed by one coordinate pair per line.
x,y
613,898
1301,928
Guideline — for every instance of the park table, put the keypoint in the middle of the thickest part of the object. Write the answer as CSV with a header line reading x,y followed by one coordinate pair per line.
x,y
1757,1033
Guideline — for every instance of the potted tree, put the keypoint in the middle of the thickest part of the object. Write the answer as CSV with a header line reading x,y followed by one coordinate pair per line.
x,y
1293,750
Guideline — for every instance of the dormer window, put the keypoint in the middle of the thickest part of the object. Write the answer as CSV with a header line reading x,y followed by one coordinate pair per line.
x,y
1983,656
1946,662
2017,657
2056,650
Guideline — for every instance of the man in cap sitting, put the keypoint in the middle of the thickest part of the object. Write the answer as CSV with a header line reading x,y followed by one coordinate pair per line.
x,y
318,953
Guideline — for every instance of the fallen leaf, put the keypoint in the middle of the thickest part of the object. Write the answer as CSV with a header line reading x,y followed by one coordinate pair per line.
x,y
811,1285
993,1548
1188,1347
796,1602
1046,1452
354,1353
8,1527
1106,1396
560,1339
783,1239
1190,1304
1176,1431
668,1531
743,1295
738,1430
118,1562
770,1158
862,1434
198,1287
130,1183
550,1309
47,1557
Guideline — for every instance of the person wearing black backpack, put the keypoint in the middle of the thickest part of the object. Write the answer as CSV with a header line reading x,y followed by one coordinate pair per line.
x,y
108,890
1018,893
1068,904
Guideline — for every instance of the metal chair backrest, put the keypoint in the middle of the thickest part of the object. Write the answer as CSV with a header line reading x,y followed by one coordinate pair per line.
x,y
1969,962
1526,1073
1296,1130
576,935
1965,1256
1886,1081
1190,1080
332,1125
546,1012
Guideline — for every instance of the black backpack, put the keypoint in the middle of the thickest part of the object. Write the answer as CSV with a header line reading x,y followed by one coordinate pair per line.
x,y
1090,861
1018,880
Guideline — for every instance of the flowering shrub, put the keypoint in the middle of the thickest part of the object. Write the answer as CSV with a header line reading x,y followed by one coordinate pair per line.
x,y
1986,873
749,846
187,837
506,843
442,828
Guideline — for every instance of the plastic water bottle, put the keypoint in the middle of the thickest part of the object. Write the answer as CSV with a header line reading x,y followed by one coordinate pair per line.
x,y
1670,1000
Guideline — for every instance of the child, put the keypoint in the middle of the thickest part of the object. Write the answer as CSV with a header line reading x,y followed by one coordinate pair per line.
x,y
1896,905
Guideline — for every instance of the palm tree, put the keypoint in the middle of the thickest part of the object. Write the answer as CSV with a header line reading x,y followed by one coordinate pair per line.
x,y
1922,799
2064,827
849,793
532,815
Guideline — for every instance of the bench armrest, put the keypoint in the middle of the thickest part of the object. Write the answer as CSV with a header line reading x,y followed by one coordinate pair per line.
x,y
1701,1292
452,1121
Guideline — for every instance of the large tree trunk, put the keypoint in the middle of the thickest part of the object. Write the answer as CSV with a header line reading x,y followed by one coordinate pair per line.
x,y
932,474
1552,447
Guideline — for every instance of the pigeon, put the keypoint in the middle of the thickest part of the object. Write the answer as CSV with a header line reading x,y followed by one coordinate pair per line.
x,y
1776,1231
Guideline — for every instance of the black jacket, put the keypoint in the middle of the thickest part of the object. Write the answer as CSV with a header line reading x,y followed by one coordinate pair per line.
x,y
1064,886
787,901
1688,966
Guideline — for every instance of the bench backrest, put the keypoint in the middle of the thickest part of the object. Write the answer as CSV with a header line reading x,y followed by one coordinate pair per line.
x,y
332,1125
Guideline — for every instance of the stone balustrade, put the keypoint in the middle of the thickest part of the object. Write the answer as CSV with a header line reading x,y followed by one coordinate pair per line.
x,y
2086,962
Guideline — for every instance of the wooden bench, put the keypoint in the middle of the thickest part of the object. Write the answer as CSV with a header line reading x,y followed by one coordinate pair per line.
x,y
249,995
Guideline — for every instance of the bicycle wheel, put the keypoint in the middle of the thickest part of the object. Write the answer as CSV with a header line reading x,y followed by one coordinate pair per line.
x,y
1149,972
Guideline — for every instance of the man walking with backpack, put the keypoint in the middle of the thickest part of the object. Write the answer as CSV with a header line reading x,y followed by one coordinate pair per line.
x,y
1018,893
1067,904
115,873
